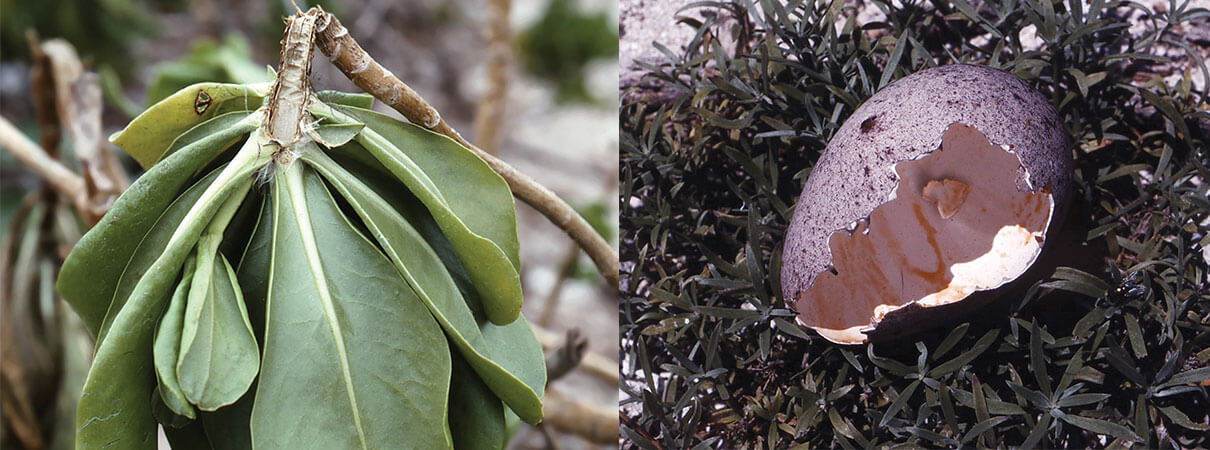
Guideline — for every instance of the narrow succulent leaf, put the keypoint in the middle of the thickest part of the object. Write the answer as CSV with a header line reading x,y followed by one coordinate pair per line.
x,y
1182,419
470,202
1039,431
93,270
352,359
114,410
478,415
959,361
1102,427
219,356
982,427
1200,375
148,136
1081,399
423,270
1037,360
167,347
898,404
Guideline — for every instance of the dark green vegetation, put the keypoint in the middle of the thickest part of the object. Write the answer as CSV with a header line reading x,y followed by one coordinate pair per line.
x,y
1110,350
561,44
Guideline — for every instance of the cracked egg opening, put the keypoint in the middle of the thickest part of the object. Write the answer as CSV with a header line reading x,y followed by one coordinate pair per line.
x,y
955,224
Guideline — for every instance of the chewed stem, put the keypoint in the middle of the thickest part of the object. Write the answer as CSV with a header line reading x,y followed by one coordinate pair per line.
x,y
292,90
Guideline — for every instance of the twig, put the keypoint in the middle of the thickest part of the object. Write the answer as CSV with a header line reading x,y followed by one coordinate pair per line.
x,y
598,366
64,181
567,356
347,55
490,113
593,422
567,269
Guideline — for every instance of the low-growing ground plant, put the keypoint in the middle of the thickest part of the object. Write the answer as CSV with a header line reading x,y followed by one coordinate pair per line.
x,y
1109,350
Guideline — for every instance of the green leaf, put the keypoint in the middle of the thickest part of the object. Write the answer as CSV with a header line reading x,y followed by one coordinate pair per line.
x,y
1037,360
1038,432
1178,416
167,348
897,405
253,269
525,359
961,360
148,136
113,407
1102,427
363,101
1081,399
1199,375
219,356
893,61
219,125
468,200
982,427
90,277
1165,107
352,359
423,270
336,135
478,418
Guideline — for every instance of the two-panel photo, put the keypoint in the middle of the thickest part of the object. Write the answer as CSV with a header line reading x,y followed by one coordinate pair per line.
x,y
604,224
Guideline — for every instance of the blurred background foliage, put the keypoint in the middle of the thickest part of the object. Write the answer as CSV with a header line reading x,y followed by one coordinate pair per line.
x,y
1107,350
101,29
562,42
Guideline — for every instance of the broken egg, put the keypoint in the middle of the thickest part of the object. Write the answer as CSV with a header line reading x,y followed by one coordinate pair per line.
x,y
942,185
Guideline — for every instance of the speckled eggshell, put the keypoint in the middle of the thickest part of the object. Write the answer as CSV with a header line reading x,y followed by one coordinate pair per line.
x,y
905,121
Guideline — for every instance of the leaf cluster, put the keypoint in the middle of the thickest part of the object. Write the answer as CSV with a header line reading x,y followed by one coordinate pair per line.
x,y
1106,355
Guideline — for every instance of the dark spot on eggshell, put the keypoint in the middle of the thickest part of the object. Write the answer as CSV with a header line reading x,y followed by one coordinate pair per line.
x,y
868,124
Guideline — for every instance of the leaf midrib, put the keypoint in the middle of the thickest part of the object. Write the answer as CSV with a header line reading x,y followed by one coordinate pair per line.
x,y
295,189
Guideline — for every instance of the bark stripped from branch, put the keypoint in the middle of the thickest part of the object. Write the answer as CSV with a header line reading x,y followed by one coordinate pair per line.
x,y
292,90
568,413
334,40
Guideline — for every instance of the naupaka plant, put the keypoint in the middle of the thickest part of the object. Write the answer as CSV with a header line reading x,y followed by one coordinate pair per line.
x,y
295,270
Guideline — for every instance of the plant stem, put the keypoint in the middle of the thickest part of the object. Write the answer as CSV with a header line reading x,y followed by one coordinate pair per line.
x,y
64,181
347,55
